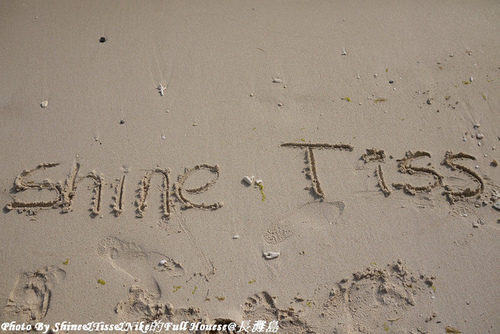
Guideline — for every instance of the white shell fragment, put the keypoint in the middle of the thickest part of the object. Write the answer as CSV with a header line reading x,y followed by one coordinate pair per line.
x,y
236,236
248,180
163,263
277,80
259,181
497,205
271,255
161,89
44,104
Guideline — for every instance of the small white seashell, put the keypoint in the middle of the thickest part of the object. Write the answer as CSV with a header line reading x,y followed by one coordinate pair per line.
x,y
248,180
471,79
236,236
259,181
280,104
163,137
44,104
276,80
163,263
479,136
161,89
344,52
271,255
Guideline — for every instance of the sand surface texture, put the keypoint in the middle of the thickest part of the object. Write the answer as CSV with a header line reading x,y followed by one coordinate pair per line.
x,y
324,166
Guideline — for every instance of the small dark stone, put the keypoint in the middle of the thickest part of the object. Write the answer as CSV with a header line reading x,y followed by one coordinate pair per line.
x,y
122,122
391,81
102,40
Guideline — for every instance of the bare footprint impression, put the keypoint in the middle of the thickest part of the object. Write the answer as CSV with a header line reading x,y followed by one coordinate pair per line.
x,y
375,300
144,306
318,215
138,263
29,301
262,307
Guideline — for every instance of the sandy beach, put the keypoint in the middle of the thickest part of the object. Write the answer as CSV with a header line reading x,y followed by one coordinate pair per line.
x,y
250,167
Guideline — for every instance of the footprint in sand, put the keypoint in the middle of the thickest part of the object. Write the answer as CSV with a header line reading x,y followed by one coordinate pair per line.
x,y
262,306
374,297
29,301
316,214
138,263
144,306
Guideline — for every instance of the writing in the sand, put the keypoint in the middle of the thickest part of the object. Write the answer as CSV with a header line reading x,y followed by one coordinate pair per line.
x,y
64,192
404,166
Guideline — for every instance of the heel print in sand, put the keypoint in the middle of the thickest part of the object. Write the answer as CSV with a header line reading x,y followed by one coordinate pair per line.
x,y
262,306
376,298
144,306
29,301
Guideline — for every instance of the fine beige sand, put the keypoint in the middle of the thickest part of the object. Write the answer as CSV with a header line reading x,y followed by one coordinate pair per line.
x,y
370,132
